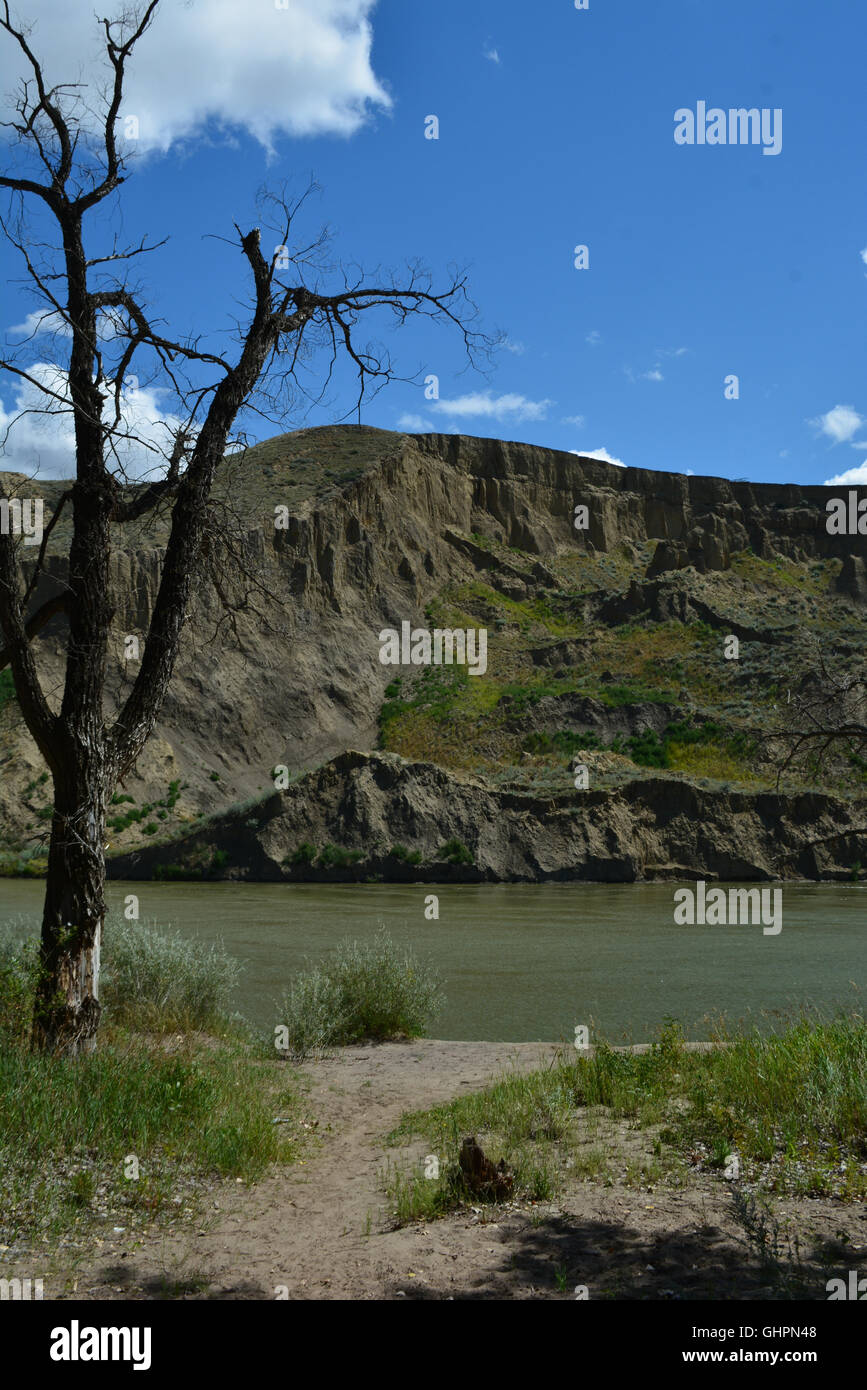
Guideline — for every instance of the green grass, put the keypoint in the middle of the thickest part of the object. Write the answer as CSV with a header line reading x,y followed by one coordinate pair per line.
x,y
791,1105
522,698
404,855
634,693
177,873
336,857
304,854
454,852
363,990
189,1114
67,1127
680,747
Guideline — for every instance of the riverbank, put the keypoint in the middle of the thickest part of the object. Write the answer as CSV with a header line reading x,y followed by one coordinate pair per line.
x,y
325,1229
191,1157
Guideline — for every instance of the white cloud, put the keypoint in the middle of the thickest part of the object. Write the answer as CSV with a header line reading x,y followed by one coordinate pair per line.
x,y
491,54
601,454
853,476
864,255
42,321
655,372
43,445
576,420
593,337
414,424
839,424
302,70
517,348
509,406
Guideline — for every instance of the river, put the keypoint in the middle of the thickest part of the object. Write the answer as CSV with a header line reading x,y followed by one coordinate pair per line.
x,y
524,963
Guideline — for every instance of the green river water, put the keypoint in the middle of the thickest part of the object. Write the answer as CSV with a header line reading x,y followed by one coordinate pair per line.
x,y
522,962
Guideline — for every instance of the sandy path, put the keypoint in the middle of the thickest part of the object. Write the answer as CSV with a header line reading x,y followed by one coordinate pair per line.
x,y
320,1229
306,1228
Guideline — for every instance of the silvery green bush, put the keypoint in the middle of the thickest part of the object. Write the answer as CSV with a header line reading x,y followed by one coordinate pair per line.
x,y
364,989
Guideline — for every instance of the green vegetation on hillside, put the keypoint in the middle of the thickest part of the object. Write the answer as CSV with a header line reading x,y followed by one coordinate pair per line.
x,y
521,722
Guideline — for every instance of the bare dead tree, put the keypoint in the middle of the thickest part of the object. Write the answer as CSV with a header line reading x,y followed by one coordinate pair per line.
x,y
825,717
93,301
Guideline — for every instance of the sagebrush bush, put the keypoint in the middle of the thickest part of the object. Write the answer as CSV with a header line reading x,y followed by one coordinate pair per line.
x,y
365,989
164,980
151,979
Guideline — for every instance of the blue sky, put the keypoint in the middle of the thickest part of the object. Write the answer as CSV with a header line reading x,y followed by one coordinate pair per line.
x,y
556,129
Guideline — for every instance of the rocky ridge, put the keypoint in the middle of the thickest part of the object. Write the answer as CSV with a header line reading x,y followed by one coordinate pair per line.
x,y
379,527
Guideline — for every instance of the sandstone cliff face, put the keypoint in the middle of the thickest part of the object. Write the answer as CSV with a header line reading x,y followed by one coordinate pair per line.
x,y
650,828
301,681
531,493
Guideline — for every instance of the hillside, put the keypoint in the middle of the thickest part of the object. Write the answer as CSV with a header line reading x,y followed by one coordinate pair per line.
x,y
608,642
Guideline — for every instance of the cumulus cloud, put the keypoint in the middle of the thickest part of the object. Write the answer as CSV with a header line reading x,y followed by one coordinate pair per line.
x,y
42,321
43,445
839,424
576,420
506,407
601,454
654,375
853,476
414,424
864,255
301,70
491,54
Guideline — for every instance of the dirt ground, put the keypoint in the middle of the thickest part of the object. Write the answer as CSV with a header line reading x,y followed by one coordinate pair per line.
x,y
320,1229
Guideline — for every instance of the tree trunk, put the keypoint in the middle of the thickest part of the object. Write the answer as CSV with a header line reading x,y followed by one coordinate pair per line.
x,y
67,1008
